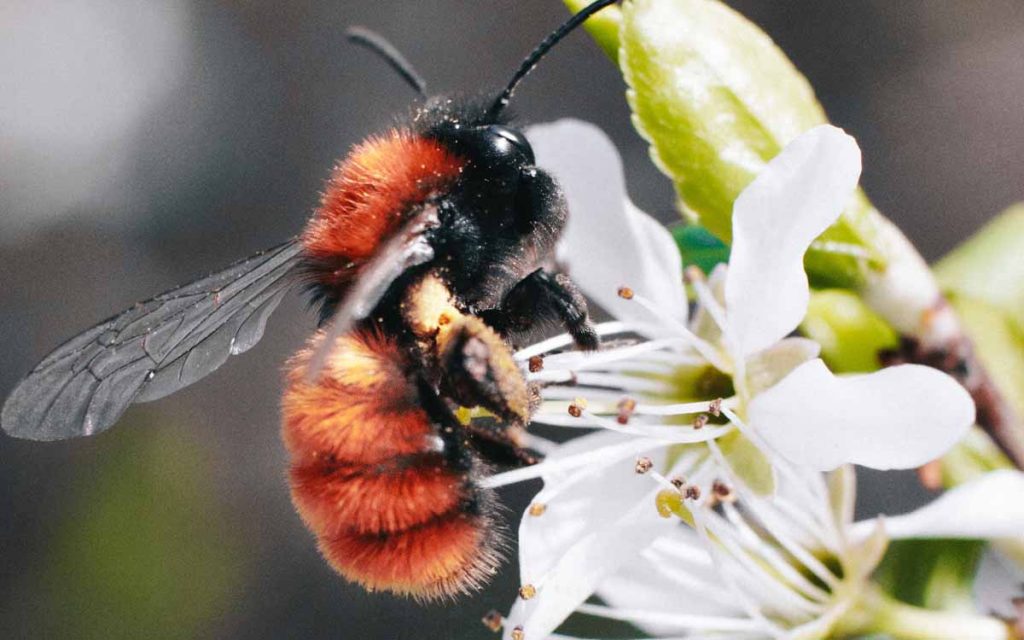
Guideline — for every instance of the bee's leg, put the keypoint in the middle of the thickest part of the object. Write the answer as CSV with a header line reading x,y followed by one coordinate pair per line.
x,y
539,297
475,366
497,443
490,441
479,371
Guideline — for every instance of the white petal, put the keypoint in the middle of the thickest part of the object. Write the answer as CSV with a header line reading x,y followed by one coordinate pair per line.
x,y
608,243
895,418
593,523
997,583
798,195
675,575
991,506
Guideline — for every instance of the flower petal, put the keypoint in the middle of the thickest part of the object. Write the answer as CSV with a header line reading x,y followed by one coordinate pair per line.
x,y
991,506
607,243
675,578
895,418
798,195
591,524
996,584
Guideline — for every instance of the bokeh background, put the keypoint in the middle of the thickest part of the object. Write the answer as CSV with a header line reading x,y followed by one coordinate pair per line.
x,y
143,144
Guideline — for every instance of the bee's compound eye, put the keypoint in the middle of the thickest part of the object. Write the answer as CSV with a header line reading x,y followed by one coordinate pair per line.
x,y
507,144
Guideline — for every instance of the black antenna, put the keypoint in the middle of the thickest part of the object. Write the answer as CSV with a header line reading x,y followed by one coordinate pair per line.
x,y
531,60
377,44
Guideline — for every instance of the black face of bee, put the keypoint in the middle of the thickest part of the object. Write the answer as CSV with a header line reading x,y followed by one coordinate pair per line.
x,y
502,220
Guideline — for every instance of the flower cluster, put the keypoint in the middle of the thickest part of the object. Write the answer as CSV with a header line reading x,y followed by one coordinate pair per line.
x,y
695,503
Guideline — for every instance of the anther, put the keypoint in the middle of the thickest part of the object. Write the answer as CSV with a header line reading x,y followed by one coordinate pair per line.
x,y
537,509
517,634
577,407
443,319
626,408
715,408
700,421
626,293
492,620
527,591
643,465
678,482
722,491
692,492
536,363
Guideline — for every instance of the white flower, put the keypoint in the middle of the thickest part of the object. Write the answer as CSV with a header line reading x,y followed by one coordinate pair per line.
x,y
743,570
729,563
897,418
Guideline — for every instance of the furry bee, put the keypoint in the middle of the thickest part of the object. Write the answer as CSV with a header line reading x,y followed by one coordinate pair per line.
x,y
431,249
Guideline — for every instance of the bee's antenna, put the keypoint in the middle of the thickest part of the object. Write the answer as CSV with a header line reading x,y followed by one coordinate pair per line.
x,y
379,45
531,60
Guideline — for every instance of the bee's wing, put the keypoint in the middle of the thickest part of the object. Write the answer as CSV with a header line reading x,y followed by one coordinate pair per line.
x,y
408,248
150,350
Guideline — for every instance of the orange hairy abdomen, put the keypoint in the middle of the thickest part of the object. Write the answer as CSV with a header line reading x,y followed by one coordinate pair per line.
x,y
370,479
371,193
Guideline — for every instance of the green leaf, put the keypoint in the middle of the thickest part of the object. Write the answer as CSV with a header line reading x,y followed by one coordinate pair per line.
x,y
700,247
748,463
990,265
936,574
849,332
717,99
603,25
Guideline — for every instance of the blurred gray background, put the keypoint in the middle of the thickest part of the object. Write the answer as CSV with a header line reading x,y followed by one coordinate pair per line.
x,y
145,144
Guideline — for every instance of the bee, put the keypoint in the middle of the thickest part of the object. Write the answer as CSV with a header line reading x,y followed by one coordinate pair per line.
x,y
431,249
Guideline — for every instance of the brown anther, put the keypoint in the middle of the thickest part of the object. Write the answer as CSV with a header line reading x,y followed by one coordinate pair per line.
x,y
575,410
692,492
626,293
443,319
700,421
678,482
492,620
693,274
722,491
537,509
527,591
715,408
626,408
644,464
517,634
535,363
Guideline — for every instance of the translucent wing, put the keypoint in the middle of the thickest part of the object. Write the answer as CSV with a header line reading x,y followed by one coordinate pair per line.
x,y
150,350
408,248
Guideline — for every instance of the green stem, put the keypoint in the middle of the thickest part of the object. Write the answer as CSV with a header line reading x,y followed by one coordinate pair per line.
x,y
881,614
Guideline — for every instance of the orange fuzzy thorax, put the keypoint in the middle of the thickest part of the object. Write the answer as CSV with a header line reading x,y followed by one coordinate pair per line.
x,y
370,481
371,193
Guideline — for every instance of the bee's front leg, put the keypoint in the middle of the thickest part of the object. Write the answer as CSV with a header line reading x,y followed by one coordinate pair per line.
x,y
540,297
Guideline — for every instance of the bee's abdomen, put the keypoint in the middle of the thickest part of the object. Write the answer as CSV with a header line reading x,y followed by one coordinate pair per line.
x,y
370,478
